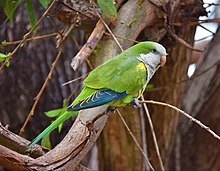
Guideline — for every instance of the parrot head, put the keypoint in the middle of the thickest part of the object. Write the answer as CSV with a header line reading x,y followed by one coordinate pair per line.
x,y
160,52
153,55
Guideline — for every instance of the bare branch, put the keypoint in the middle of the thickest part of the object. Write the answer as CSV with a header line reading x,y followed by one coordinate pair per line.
x,y
124,38
41,91
65,156
135,140
185,80
72,81
153,135
29,39
109,30
181,41
17,143
90,45
214,20
27,35
185,114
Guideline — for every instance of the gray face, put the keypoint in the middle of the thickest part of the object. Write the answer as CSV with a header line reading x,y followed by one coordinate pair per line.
x,y
160,49
152,60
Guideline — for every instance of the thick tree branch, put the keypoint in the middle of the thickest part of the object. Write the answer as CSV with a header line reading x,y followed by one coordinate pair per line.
x,y
90,45
68,154
17,143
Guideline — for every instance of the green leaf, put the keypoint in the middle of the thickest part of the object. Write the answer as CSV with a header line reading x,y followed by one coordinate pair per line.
x,y
108,9
9,7
54,113
4,42
45,3
7,64
64,103
60,127
46,141
31,13
3,56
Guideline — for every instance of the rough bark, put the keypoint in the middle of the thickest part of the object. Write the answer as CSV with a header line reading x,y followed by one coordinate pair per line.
x,y
70,151
202,100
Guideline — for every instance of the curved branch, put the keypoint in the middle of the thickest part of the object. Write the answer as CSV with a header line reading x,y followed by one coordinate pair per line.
x,y
66,155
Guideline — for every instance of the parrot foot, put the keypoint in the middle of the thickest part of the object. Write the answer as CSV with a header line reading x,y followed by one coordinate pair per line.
x,y
135,103
110,109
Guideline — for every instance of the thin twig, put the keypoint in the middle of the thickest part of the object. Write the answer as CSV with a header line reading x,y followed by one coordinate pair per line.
x,y
181,41
214,20
213,34
123,38
89,64
73,91
185,114
144,139
109,30
72,81
185,80
135,140
153,134
201,39
37,98
29,39
27,35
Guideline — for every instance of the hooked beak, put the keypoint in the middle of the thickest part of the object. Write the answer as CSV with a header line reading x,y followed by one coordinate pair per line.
x,y
163,60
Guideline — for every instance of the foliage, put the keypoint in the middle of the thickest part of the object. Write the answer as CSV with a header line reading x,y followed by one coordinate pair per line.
x,y
108,8
51,114
31,13
3,57
9,7
46,141
45,3
56,113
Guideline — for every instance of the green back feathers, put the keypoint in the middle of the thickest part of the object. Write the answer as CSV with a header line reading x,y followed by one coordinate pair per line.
x,y
122,73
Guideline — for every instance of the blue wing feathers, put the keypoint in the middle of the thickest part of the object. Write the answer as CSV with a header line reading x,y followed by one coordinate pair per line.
x,y
98,98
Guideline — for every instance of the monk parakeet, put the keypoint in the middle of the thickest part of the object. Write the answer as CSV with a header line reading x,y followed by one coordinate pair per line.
x,y
116,82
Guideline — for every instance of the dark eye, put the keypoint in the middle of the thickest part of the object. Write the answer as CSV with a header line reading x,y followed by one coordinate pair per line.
x,y
154,51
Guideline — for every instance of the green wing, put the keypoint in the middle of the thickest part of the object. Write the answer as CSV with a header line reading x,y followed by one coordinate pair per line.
x,y
121,73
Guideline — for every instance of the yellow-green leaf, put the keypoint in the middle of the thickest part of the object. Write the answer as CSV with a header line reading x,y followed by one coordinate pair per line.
x,y
31,13
54,113
45,3
46,141
108,9
9,7
60,127
3,57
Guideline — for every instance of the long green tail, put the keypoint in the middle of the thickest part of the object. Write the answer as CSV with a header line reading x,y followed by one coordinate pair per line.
x,y
52,126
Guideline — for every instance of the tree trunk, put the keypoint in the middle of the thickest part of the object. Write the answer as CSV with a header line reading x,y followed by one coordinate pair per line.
x,y
117,149
199,150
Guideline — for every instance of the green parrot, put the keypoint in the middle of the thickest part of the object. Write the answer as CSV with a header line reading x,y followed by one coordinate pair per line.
x,y
117,82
